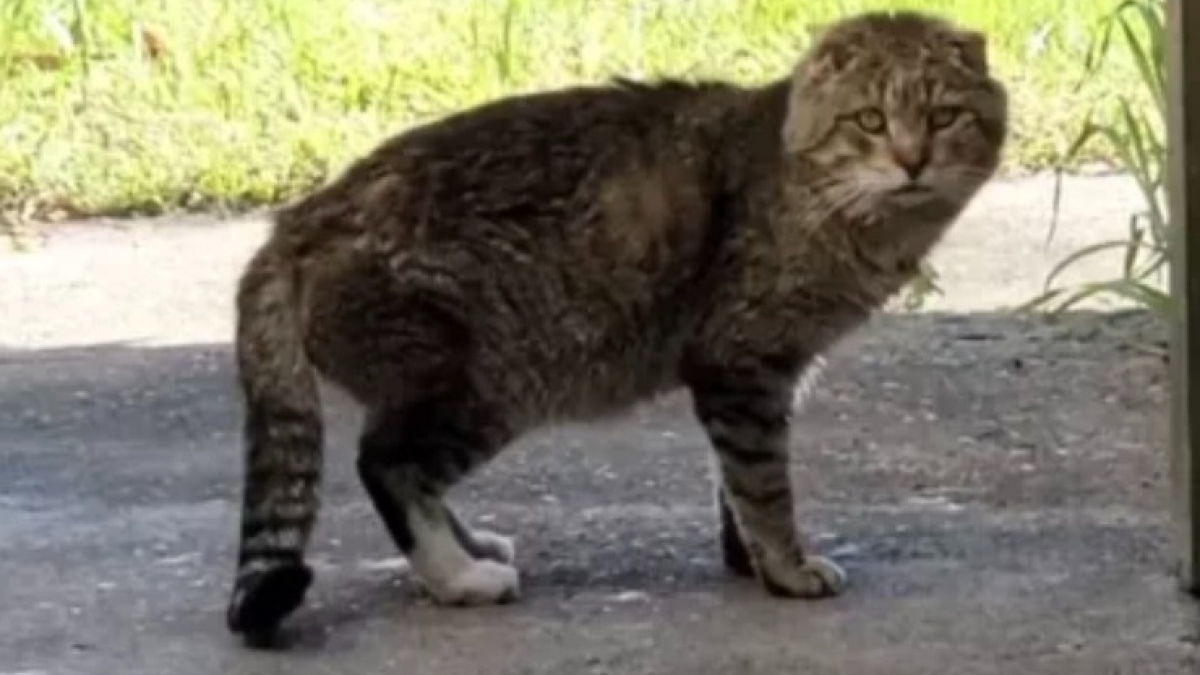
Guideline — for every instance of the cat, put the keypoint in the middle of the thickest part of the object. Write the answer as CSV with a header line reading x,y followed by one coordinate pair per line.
x,y
564,255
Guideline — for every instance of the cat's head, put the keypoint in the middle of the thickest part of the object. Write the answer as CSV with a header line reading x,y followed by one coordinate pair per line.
x,y
897,110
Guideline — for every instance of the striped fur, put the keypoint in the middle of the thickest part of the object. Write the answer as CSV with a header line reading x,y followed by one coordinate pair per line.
x,y
567,254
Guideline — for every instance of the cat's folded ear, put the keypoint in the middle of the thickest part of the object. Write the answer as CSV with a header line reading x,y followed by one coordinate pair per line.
x,y
804,121
824,61
830,51
970,47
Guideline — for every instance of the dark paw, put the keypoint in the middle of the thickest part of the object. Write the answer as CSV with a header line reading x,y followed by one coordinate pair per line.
x,y
262,598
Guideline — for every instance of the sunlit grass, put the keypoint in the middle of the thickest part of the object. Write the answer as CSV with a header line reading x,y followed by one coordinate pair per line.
x,y
1133,125
253,101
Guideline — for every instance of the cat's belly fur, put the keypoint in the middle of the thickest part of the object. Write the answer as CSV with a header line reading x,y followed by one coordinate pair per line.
x,y
560,374
571,357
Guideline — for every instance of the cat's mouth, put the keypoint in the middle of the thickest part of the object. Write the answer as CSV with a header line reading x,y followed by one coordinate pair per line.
x,y
909,189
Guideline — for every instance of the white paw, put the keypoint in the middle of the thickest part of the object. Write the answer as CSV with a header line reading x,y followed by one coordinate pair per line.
x,y
832,576
817,577
482,582
495,547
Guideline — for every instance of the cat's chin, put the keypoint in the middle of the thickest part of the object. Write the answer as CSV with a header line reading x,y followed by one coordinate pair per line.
x,y
925,204
910,193
907,196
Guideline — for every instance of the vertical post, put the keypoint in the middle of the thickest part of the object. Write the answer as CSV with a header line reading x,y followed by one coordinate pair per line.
x,y
1183,134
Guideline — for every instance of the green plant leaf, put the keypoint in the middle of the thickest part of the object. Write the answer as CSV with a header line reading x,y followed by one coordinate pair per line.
x,y
1135,133
1079,254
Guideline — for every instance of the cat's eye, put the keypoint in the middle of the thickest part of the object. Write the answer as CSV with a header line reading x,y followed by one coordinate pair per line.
x,y
871,120
943,117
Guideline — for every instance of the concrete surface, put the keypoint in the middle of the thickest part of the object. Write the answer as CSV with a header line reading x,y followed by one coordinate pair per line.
x,y
994,486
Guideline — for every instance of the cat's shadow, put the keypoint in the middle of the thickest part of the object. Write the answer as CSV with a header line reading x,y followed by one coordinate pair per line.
x,y
333,615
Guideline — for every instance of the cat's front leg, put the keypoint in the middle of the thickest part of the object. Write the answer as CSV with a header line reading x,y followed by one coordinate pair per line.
x,y
745,411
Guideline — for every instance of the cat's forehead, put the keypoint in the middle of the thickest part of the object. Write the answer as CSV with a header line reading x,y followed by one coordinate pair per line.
x,y
891,53
899,70
890,44
902,32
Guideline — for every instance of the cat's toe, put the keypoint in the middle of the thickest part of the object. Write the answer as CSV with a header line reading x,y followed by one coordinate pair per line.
x,y
495,547
816,577
483,582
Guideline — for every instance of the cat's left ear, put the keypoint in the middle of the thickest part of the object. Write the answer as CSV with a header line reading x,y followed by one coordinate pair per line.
x,y
830,53
970,48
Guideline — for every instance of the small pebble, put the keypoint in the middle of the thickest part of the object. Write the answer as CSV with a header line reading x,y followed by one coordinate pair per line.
x,y
629,597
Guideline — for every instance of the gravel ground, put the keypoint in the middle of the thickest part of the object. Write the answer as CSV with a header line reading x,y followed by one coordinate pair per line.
x,y
994,485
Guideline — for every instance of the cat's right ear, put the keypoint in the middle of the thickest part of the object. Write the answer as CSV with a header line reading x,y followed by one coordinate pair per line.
x,y
804,123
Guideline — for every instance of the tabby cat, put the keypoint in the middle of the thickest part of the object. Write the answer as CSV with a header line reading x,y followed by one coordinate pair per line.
x,y
565,255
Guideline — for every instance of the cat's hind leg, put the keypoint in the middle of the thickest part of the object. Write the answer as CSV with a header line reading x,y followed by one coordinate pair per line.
x,y
408,458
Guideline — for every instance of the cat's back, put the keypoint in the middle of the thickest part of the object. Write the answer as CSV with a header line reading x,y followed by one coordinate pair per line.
x,y
539,159
533,165
570,225
586,122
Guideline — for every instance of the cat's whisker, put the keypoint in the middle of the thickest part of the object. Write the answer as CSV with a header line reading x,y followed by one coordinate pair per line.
x,y
963,173
964,184
823,189
837,198
864,199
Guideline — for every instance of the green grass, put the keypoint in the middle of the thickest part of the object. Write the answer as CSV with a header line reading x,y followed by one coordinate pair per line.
x,y
258,100
1135,129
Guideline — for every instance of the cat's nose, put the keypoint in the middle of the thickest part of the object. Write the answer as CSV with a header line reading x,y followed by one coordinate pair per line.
x,y
912,160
